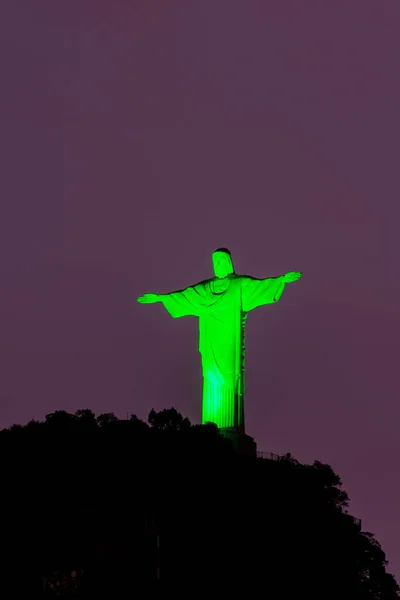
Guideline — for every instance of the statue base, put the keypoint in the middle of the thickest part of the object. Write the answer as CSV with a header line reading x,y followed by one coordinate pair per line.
x,y
242,443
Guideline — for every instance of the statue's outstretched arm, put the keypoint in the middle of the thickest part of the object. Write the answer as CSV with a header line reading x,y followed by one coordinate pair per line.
x,y
182,303
257,292
150,298
292,276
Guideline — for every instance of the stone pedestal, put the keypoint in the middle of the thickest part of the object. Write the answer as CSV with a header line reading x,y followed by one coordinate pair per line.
x,y
243,444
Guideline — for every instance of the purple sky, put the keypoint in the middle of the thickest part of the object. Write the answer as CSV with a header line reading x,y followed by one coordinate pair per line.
x,y
136,137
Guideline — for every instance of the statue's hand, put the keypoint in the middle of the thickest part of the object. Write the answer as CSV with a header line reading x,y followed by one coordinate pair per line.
x,y
292,276
149,298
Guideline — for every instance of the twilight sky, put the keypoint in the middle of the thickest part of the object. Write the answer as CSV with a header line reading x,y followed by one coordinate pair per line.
x,y
137,137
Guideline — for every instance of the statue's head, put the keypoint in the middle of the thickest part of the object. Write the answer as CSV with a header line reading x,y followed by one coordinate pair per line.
x,y
222,261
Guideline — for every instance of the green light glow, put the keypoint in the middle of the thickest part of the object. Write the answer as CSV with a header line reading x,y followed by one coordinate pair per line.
x,y
221,305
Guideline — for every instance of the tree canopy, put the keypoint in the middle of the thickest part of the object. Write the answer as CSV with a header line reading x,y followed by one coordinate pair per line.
x,y
118,504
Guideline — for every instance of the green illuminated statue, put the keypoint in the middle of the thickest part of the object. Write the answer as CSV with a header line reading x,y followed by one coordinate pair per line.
x,y
222,304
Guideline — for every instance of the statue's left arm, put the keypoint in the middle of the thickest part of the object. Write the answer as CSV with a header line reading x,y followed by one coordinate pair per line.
x,y
256,292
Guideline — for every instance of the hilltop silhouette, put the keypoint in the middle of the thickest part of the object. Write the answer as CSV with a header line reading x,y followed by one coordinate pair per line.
x,y
101,507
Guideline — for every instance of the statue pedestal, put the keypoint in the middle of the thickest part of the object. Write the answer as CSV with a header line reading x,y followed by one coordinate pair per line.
x,y
243,444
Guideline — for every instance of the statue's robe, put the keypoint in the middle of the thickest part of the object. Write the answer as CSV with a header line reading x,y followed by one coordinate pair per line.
x,y
222,306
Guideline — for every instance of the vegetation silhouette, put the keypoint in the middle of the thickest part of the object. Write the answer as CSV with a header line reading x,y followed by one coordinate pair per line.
x,y
102,507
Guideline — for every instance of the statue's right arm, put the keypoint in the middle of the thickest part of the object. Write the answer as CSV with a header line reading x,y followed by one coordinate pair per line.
x,y
150,298
180,303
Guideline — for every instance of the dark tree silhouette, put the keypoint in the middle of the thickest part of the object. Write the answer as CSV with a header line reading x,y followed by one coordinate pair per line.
x,y
60,420
106,418
86,417
138,425
168,419
103,507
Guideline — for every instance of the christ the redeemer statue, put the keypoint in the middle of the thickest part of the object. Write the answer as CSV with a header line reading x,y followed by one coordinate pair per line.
x,y
222,304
